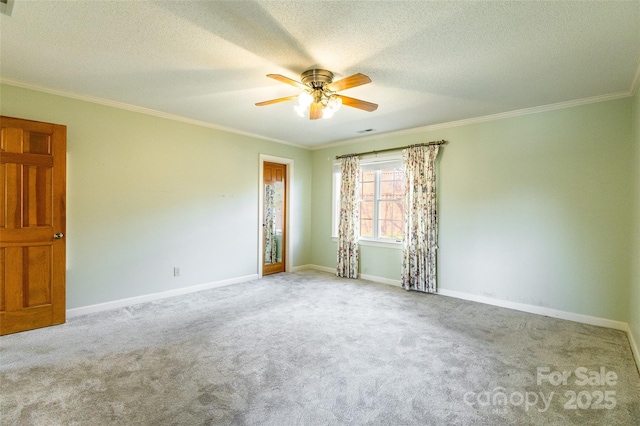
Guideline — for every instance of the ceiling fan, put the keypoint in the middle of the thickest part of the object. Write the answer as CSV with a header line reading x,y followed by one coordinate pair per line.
x,y
319,93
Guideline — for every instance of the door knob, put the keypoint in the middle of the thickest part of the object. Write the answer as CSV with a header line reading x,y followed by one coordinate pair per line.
x,y
58,235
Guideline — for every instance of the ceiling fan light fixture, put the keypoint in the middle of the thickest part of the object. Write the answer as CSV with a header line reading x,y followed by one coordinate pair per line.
x,y
334,103
319,93
327,113
305,99
300,110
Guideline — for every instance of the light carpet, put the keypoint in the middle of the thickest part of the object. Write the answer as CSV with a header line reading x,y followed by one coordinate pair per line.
x,y
308,348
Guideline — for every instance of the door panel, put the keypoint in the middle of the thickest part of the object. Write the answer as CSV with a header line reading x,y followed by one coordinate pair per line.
x,y
32,206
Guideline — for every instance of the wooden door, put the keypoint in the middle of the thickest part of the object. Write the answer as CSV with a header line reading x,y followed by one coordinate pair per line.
x,y
275,218
32,224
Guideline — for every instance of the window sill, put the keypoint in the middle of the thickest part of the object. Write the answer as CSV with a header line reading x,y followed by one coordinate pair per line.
x,y
386,244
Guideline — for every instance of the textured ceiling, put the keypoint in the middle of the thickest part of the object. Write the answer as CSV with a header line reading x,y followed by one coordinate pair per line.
x,y
430,62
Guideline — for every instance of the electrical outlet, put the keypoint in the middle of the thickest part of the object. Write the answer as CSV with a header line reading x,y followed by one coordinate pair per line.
x,y
176,271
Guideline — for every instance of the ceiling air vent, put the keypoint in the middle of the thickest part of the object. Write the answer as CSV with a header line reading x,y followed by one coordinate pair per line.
x,y
6,6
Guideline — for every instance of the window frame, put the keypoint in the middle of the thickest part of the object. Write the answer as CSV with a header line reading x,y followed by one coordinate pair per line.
x,y
376,240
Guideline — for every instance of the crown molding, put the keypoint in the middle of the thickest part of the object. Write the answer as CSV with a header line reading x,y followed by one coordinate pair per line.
x,y
138,109
343,142
482,119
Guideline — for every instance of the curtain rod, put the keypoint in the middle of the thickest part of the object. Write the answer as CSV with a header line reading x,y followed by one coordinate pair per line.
x,y
442,142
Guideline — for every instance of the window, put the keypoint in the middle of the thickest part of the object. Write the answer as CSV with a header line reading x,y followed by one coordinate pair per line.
x,y
381,199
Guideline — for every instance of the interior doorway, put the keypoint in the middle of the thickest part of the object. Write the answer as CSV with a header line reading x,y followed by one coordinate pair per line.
x,y
274,217
275,181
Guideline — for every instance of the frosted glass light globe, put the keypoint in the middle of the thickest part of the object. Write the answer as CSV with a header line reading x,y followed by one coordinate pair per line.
x,y
305,99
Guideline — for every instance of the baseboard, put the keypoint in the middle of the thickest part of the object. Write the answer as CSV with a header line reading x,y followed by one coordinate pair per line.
x,y
586,319
539,310
317,268
395,283
634,348
121,303
533,309
373,278
303,268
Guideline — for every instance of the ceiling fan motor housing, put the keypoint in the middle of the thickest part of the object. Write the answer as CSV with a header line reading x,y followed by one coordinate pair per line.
x,y
317,79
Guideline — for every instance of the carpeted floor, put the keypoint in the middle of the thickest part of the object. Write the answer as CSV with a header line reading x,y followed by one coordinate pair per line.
x,y
310,349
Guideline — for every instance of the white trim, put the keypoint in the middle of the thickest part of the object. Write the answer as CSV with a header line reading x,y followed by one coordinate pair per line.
x,y
394,245
539,310
115,304
482,119
446,125
319,268
301,268
288,199
373,278
532,309
634,348
141,110
586,319
381,280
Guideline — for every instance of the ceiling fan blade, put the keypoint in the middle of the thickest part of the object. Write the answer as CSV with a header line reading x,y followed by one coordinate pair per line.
x,y
287,80
275,101
349,82
357,103
315,111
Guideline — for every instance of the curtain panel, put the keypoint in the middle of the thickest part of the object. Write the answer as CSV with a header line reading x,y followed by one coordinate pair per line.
x,y
348,232
420,219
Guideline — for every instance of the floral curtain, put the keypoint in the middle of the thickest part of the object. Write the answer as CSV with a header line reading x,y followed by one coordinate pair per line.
x,y
270,249
348,232
420,219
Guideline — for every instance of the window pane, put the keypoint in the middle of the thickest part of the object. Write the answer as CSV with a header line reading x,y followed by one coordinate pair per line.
x,y
366,210
390,223
385,210
367,191
398,188
367,175
390,210
385,213
392,229
366,227
381,200
391,184
398,210
384,229
387,174
386,190
398,229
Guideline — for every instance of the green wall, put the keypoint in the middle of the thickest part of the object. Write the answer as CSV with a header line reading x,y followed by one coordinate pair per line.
x,y
145,194
634,299
534,209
